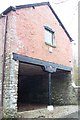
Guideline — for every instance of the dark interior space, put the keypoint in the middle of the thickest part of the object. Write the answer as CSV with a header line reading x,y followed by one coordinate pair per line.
x,y
62,90
32,87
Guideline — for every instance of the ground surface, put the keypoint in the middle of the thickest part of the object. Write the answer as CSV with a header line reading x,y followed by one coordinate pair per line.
x,y
0,113
70,111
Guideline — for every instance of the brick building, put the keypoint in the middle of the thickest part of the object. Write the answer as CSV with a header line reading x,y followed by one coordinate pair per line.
x,y
35,58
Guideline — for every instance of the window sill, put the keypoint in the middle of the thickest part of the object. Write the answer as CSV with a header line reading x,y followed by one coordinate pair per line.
x,y
54,46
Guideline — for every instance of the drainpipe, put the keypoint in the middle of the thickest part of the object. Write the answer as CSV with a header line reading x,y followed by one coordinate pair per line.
x,y
4,54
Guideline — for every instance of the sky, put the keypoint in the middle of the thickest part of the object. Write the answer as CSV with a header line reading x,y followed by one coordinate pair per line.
x,y
67,11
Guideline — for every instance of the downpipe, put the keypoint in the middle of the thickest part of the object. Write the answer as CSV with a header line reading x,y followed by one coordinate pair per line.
x,y
4,55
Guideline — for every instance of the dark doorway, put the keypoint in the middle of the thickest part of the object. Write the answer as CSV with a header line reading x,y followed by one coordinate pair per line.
x,y
32,87
33,83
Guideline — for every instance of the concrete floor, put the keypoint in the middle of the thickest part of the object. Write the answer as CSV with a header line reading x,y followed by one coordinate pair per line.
x,y
70,111
28,107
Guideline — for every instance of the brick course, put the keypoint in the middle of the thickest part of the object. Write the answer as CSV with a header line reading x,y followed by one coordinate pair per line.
x,y
25,36
30,31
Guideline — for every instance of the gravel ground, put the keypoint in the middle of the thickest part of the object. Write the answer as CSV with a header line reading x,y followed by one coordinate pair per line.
x,y
70,111
0,113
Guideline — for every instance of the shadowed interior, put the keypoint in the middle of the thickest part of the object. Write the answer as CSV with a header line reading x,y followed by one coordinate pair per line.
x,y
33,87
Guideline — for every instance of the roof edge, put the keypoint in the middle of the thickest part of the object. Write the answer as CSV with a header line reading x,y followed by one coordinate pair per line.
x,y
23,6
34,5
60,22
8,10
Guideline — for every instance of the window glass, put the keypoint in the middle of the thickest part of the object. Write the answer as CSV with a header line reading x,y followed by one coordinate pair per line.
x,y
49,36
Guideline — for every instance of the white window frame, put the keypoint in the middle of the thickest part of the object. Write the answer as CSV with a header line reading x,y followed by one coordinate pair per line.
x,y
49,34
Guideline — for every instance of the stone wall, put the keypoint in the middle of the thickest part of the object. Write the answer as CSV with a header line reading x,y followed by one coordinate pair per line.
x,y
2,32
10,88
62,91
11,70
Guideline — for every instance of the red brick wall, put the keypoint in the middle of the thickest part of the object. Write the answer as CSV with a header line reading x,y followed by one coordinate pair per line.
x,y
30,32
28,37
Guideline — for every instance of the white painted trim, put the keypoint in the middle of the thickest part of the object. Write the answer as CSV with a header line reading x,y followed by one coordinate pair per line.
x,y
50,108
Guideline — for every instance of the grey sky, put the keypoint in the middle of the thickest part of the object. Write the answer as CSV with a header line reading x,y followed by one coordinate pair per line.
x,y
65,9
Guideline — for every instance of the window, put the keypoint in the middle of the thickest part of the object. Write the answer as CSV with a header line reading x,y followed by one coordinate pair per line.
x,y
49,36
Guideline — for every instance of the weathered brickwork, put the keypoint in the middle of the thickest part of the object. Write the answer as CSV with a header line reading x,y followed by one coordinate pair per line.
x,y
30,32
25,36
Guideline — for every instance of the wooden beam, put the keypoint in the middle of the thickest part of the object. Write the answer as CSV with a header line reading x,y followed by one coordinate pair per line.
x,y
48,66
